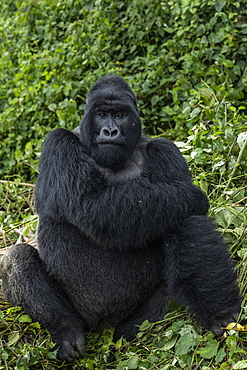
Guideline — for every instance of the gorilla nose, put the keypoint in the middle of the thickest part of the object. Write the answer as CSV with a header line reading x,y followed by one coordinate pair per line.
x,y
110,134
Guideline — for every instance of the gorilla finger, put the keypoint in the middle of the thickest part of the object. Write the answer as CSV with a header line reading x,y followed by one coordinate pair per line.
x,y
67,353
233,318
80,345
217,330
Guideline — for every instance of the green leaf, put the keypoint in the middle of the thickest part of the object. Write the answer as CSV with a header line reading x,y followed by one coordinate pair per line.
x,y
201,30
13,310
71,108
220,355
140,34
119,343
168,29
219,5
195,112
52,107
241,139
229,63
169,344
155,100
240,365
132,363
13,338
145,325
210,349
35,325
153,359
24,318
4,355
52,355
185,344
18,155
26,230
90,364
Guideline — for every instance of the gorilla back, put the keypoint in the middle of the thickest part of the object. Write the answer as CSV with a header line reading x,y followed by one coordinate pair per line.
x,y
121,230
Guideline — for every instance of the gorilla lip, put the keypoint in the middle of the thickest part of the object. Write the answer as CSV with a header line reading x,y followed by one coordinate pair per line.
x,y
109,142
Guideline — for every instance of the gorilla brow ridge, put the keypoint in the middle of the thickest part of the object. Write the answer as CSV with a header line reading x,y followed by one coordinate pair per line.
x,y
123,101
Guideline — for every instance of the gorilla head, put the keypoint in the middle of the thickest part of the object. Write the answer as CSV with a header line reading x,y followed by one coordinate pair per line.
x,y
111,127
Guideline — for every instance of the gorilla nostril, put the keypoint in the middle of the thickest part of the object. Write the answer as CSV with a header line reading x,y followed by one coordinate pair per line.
x,y
106,132
114,133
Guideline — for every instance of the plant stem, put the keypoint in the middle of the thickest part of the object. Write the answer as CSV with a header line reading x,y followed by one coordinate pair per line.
x,y
237,163
20,183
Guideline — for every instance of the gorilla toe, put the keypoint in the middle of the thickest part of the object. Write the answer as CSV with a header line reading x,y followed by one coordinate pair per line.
x,y
70,351
71,344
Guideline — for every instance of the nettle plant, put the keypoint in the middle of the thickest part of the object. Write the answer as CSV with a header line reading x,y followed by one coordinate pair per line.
x,y
215,150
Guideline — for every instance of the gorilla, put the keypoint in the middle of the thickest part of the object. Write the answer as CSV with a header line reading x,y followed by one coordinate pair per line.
x,y
122,229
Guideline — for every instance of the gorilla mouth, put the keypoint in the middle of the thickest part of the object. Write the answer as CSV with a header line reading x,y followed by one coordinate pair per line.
x,y
110,142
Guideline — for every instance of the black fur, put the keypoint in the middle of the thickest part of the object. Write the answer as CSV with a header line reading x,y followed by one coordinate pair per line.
x,y
121,230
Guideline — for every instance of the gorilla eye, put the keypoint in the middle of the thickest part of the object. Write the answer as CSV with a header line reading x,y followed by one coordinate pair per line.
x,y
102,114
119,115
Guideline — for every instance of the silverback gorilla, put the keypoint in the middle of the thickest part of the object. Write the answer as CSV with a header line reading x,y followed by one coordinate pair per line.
x,y
121,230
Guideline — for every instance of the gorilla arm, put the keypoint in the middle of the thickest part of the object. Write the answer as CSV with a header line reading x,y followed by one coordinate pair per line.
x,y
127,213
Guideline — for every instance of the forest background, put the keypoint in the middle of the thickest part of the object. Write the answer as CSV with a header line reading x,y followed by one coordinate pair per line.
x,y
186,62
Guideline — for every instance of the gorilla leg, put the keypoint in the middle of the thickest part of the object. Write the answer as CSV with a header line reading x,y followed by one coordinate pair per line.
x,y
26,283
203,275
153,309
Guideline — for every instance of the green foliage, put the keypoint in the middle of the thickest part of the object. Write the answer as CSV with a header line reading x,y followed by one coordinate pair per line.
x,y
173,343
52,52
186,62
23,345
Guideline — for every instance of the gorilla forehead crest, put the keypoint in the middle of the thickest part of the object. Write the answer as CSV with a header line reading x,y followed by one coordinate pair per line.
x,y
109,88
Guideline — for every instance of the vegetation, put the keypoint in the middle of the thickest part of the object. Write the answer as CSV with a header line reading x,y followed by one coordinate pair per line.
x,y
186,62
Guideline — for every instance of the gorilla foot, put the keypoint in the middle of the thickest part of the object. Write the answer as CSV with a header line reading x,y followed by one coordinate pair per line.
x,y
218,327
69,351
128,332
70,342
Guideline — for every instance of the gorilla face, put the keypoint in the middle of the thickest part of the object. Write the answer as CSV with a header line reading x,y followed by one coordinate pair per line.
x,y
111,127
